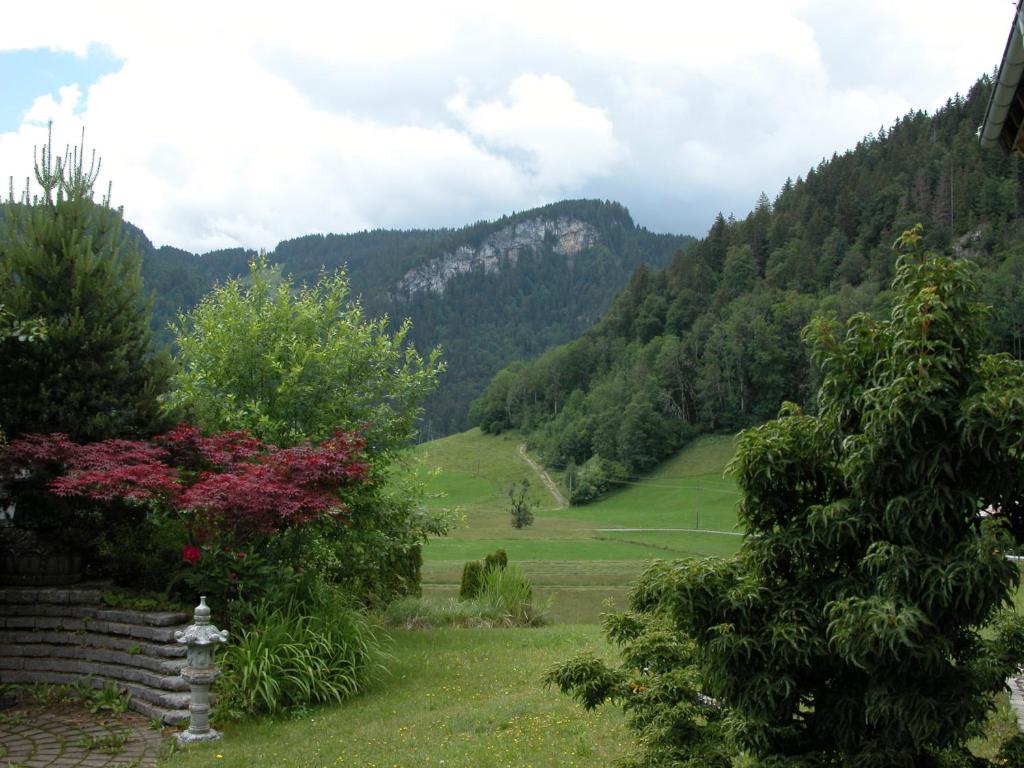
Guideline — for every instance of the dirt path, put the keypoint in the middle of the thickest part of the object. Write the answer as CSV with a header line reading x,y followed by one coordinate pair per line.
x,y
545,478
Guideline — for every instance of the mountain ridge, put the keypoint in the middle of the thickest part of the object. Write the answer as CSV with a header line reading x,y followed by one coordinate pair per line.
x,y
509,288
712,342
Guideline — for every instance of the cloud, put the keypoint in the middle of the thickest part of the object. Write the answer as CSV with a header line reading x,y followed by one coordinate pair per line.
x,y
563,142
242,124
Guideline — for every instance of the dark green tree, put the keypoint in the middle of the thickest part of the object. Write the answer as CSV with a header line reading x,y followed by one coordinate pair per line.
x,y
64,260
861,624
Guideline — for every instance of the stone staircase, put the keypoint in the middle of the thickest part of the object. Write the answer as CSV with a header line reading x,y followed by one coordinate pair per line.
x,y
62,635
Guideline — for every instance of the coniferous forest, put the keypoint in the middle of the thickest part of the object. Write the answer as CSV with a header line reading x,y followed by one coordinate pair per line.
x,y
712,342
483,319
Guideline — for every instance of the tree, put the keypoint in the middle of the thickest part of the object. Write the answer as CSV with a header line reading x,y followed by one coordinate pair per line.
x,y
520,505
291,364
861,623
64,261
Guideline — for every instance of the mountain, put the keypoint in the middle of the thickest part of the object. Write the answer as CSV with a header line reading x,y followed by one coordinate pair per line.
x,y
712,342
488,293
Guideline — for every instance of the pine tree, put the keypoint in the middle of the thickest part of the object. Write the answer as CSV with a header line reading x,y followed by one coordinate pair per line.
x,y
63,259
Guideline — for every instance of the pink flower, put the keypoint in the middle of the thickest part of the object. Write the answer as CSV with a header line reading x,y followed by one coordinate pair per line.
x,y
191,554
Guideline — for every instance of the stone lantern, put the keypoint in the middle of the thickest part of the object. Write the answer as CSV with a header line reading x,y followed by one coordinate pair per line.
x,y
202,638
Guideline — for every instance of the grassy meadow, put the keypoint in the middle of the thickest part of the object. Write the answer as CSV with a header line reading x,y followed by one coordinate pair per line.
x,y
579,557
462,698
458,698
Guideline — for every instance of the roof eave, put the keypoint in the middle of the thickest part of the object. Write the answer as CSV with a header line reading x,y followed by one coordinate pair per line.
x,y
1004,116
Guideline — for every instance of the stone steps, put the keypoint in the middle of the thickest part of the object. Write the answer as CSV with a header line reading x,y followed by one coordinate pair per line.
x,y
66,636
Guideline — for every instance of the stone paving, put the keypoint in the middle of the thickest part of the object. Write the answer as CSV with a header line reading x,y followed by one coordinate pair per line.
x,y
65,736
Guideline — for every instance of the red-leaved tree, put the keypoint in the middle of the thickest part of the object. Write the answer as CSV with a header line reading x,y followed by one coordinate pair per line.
x,y
229,485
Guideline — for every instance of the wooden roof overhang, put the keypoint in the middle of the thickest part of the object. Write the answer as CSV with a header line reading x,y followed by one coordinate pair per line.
x,y
1004,117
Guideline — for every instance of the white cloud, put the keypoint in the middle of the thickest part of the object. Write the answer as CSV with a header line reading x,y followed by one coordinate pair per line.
x,y
564,141
242,124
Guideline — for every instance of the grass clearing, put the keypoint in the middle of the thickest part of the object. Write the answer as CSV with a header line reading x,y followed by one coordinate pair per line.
x,y
455,697
576,554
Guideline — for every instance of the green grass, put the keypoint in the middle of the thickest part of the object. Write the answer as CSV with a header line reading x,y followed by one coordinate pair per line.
x,y
686,492
457,698
477,471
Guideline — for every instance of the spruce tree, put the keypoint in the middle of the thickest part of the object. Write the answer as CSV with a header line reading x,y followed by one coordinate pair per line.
x,y
64,259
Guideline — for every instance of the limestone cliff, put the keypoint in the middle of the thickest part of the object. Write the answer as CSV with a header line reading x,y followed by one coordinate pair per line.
x,y
565,236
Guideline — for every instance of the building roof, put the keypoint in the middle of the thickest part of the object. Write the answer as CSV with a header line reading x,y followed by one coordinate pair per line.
x,y
1004,117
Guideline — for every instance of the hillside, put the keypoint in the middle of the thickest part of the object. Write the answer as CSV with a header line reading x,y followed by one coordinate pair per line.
x,y
713,341
488,293
578,556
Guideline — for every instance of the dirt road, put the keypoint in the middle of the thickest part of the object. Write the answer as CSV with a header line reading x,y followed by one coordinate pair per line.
x,y
545,478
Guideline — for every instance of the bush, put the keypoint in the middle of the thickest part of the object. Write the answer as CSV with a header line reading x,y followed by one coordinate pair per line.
x,y
497,559
472,575
520,507
505,599
595,477
657,685
314,363
862,623
309,645
510,591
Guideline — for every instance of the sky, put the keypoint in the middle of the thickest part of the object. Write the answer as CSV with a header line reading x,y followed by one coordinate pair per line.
x,y
242,124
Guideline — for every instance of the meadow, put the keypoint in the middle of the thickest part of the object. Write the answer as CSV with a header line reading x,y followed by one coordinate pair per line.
x,y
461,698
458,698
578,557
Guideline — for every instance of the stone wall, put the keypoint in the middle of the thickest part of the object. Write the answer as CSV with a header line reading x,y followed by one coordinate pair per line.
x,y
61,635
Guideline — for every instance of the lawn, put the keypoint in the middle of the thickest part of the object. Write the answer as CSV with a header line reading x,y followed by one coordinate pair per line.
x,y
581,556
453,698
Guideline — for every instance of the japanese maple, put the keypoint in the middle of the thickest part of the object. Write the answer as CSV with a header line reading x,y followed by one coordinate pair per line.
x,y
230,482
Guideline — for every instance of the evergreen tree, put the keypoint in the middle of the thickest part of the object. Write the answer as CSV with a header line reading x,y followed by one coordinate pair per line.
x,y
860,625
63,259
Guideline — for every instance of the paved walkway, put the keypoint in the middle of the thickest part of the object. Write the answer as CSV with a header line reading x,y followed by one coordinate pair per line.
x,y
62,736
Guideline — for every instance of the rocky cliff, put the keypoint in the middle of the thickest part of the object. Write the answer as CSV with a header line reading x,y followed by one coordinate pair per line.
x,y
563,235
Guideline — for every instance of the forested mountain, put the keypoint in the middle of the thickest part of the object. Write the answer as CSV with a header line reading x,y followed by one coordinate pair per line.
x,y
712,342
488,293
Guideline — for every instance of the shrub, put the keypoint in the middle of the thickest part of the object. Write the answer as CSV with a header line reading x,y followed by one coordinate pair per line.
x,y
520,506
510,591
307,645
595,477
657,684
227,492
497,559
863,621
472,576
505,599
313,363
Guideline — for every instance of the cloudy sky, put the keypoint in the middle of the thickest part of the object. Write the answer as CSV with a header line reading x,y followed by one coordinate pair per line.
x,y
226,124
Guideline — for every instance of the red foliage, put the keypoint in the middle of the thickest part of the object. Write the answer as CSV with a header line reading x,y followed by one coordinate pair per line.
x,y
231,481
189,449
33,452
117,469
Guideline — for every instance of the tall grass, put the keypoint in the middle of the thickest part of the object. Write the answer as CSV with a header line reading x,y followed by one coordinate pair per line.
x,y
308,649
505,600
